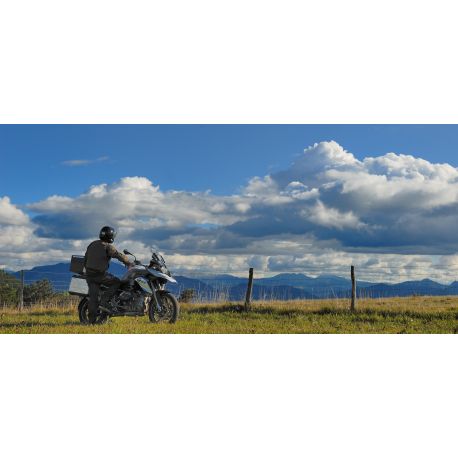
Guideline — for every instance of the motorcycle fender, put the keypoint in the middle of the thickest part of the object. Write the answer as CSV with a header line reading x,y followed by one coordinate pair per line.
x,y
164,291
143,283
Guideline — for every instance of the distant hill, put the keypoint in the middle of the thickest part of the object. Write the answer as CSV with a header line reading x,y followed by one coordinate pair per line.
x,y
282,286
409,288
59,274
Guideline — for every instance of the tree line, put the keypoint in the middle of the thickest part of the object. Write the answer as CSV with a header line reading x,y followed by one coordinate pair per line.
x,y
34,292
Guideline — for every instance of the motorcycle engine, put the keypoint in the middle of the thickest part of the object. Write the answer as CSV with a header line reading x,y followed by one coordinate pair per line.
x,y
132,300
137,301
125,296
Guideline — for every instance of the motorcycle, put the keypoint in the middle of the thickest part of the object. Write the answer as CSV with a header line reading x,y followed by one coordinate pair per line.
x,y
142,292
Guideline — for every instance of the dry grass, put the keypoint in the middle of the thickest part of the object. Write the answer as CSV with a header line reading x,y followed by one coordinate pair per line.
x,y
392,315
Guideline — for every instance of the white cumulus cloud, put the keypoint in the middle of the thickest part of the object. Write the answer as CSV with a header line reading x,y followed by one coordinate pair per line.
x,y
10,214
327,206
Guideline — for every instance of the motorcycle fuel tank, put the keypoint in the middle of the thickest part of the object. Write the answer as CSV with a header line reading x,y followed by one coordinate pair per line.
x,y
133,272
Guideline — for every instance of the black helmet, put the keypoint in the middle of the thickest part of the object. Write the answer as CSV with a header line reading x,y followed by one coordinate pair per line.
x,y
107,234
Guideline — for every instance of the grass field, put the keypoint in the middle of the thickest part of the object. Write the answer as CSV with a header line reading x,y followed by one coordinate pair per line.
x,y
394,315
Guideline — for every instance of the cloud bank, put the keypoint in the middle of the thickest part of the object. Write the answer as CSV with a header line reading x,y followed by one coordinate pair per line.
x,y
326,209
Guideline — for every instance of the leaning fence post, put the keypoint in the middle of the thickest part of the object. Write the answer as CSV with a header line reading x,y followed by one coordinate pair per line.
x,y
20,304
249,289
353,289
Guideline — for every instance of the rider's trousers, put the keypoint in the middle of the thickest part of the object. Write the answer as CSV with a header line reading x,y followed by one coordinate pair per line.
x,y
94,280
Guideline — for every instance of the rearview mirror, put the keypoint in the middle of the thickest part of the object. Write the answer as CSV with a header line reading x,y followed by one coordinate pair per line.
x,y
127,252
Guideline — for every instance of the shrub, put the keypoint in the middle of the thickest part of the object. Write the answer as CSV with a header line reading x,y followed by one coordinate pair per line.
x,y
38,291
187,295
9,287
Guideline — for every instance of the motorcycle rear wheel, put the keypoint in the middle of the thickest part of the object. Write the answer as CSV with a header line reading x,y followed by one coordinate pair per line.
x,y
83,313
170,308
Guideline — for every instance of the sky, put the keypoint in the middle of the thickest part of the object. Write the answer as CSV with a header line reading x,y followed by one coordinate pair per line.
x,y
220,198
221,158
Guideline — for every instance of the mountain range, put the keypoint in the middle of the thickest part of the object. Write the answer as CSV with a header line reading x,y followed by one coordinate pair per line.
x,y
281,287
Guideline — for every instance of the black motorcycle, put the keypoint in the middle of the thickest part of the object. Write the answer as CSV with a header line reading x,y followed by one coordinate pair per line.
x,y
142,292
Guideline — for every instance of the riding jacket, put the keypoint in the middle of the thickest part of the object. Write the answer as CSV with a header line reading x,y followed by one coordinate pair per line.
x,y
98,256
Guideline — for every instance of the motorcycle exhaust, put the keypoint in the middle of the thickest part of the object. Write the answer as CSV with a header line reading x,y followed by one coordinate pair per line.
x,y
113,313
106,310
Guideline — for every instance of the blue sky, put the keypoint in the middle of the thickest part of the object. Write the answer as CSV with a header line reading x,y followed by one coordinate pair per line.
x,y
191,157
301,198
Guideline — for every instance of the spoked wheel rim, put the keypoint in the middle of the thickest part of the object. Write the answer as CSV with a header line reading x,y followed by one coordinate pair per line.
x,y
84,315
167,308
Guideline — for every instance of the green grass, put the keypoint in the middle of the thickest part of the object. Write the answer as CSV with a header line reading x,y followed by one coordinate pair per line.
x,y
396,315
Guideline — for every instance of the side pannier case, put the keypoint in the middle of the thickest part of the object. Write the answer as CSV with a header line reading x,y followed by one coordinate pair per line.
x,y
78,284
77,265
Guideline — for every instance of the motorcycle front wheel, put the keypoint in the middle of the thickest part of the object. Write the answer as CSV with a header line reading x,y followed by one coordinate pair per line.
x,y
169,308
83,313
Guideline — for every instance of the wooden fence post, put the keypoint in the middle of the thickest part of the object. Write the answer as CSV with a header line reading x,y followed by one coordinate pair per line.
x,y
249,289
20,304
353,289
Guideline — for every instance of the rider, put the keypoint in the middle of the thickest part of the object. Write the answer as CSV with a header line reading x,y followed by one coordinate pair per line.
x,y
96,262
